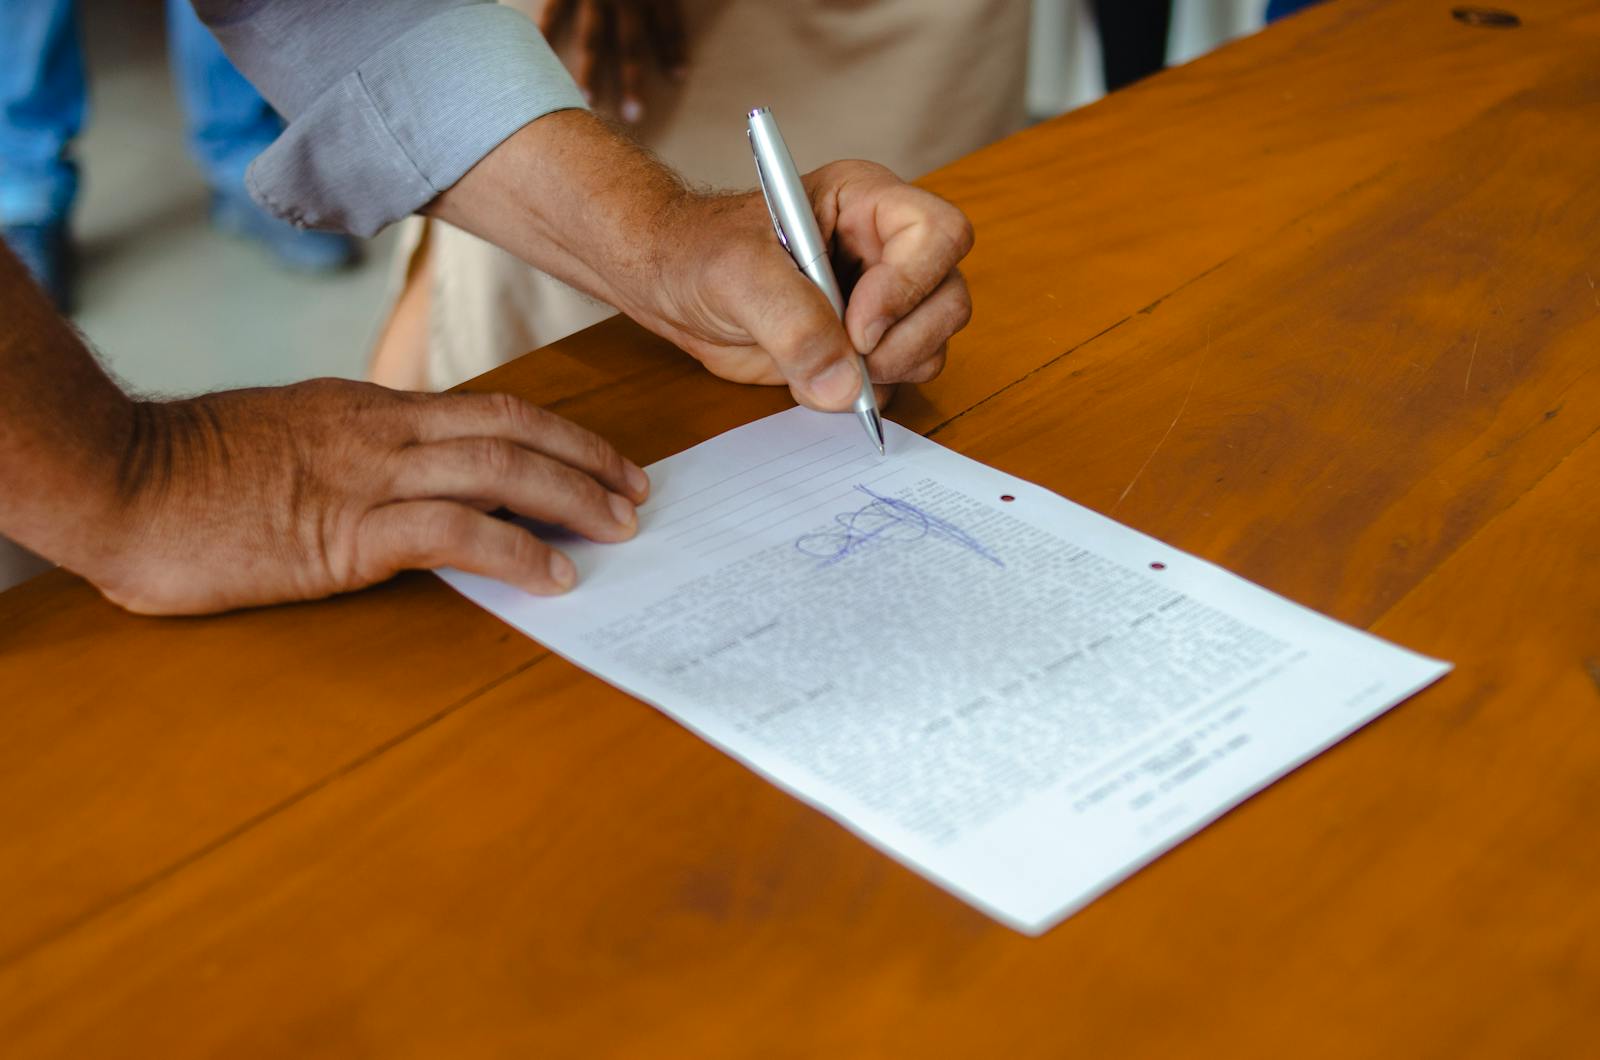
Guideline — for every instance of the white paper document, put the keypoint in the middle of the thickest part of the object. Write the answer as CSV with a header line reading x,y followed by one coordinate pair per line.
x,y
1017,697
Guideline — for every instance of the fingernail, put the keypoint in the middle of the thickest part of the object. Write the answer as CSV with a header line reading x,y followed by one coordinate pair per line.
x,y
632,111
622,510
638,481
839,385
562,572
874,332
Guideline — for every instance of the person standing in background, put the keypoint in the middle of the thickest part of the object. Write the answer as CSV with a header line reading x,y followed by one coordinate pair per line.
x,y
910,84
1277,9
43,100
1133,38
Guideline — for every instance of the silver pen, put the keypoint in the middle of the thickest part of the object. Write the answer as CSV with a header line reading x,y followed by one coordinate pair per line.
x,y
797,230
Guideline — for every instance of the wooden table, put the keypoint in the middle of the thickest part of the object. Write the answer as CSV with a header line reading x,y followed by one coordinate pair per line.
x,y
1321,307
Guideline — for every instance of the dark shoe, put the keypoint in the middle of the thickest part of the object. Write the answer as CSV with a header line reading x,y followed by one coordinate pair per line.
x,y
46,250
300,249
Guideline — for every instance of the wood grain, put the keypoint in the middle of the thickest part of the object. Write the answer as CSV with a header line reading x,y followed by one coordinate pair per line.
x,y
134,745
1317,307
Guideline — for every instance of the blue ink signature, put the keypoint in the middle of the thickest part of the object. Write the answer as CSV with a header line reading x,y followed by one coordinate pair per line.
x,y
891,519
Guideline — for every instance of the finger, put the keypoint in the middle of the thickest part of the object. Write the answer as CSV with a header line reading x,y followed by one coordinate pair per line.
x,y
792,321
631,57
422,535
445,416
671,42
913,350
554,17
914,240
502,474
589,29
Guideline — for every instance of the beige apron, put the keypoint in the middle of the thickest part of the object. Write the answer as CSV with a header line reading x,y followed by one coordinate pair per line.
x,y
912,84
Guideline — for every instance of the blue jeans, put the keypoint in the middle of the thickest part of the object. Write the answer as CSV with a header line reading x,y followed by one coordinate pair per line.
x,y
1276,9
43,98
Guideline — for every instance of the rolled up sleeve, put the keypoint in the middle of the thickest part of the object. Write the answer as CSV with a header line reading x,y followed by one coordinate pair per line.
x,y
388,104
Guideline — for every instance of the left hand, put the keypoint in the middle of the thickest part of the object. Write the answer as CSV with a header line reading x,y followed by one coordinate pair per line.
x,y
731,296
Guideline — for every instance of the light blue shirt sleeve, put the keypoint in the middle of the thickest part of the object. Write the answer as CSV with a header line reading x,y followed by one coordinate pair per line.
x,y
388,102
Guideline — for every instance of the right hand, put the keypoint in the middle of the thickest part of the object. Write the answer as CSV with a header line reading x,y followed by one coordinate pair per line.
x,y
615,40
569,195
288,493
729,295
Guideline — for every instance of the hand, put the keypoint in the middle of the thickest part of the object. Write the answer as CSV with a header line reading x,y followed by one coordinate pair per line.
x,y
569,195
615,41
732,297
259,496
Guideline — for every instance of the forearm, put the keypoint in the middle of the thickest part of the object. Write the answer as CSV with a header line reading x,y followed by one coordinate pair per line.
x,y
64,427
574,198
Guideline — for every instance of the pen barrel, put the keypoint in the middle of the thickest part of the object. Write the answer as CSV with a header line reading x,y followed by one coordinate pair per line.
x,y
786,195
866,400
796,226
819,272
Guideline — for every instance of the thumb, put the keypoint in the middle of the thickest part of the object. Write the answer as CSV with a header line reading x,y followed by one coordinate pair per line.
x,y
792,321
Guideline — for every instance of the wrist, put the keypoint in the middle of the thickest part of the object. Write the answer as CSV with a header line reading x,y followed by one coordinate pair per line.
x,y
180,466
64,427
575,198
131,471
705,250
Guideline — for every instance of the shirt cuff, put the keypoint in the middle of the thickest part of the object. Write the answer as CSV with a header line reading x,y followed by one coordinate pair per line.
x,y
389,136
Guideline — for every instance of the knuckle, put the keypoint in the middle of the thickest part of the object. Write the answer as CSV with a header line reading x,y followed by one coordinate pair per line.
x,y
876,172
442,532
327,387
905,367
930,367
576,501
494,457
837,171
602,456
518,416
373,553
415,538
956,228
317,388
961,309
526,552
910,290
585,494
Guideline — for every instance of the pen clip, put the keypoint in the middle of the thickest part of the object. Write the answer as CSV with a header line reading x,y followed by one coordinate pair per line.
x,y
766,196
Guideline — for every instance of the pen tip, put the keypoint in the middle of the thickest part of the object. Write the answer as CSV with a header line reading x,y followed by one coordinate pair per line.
x,y
874,425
